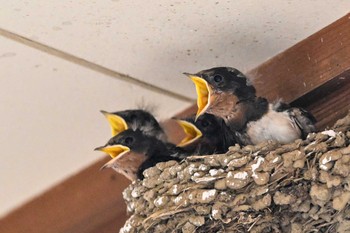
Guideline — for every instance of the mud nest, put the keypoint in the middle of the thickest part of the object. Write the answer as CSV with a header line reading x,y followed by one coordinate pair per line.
x,y
299,187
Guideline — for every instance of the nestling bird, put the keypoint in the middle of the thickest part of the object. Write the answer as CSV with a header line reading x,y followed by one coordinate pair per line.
x,y
206,135
135,119
133,151
227,93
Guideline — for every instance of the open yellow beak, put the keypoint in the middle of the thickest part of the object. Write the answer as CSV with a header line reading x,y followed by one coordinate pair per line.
x,y
116,122
191,131
204,92
115,150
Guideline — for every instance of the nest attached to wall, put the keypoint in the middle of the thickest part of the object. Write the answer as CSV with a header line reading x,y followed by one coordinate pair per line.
x,y
299,187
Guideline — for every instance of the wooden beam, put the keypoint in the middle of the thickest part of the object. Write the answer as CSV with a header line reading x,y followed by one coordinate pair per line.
x,y
314,74
307,65
89,201
329,102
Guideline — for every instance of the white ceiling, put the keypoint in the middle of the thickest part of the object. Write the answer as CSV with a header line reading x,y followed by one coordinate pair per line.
x,y
50,121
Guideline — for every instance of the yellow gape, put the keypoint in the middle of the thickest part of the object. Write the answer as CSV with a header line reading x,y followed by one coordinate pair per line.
x,y
115,150
191,131
116,123
204,92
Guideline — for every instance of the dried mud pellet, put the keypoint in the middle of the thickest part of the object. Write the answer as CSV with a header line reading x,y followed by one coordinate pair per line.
x,y
188,228
235,148
207,196
249,149
341,169
237,179
265,147
166,175
175,189
151,172
161,201
239,162
239,199
213,162
220,184
319,194
296,228
262,203
202,209
341,201
224,197
258,191
299,163
311,137
331,181
345,159
160,228
304,206
179,167
197,220
216,172
331,155
149,195
163,165
180,199
137,191
287,148
316,147
151,182
339,141
203,167
283,199
261,178
314,209
345,151
320,137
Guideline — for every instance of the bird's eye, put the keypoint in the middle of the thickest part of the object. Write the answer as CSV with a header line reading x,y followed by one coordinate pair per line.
x,y
218,78
128,141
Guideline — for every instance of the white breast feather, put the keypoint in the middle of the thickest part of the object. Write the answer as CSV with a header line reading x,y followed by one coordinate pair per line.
x,y
277,126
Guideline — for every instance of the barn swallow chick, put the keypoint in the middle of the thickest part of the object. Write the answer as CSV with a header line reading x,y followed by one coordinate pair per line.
x,y
227,93
133,151
135,119
207,135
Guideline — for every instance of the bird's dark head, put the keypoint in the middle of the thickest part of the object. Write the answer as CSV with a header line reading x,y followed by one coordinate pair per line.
x,y
129,150
213,83
134,119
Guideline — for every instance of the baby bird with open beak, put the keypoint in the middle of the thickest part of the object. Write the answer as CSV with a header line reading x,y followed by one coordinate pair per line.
x,y
133,151
135,119
206,135
227,93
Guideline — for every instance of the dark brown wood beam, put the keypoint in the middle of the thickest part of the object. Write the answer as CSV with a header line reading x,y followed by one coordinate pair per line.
x,y
90,201
314,74
307,65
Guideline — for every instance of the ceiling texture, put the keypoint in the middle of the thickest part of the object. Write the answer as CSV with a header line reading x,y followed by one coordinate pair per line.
x,y
62,61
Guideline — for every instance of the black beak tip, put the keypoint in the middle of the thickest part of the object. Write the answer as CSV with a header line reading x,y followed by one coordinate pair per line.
x,y
98,148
